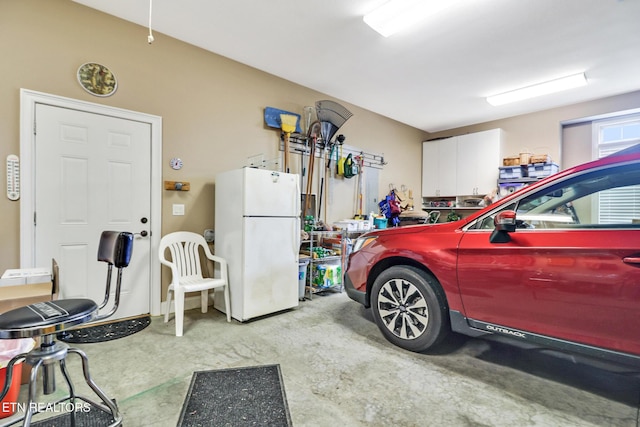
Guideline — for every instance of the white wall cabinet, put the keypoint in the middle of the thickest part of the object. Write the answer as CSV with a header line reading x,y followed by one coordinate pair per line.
x,y
465,165
478,160
438,168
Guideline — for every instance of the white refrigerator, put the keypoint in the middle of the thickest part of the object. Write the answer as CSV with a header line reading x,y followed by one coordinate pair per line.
x,y
257,230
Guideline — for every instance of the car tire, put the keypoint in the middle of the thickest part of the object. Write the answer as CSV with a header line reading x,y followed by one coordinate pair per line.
x,y
409,308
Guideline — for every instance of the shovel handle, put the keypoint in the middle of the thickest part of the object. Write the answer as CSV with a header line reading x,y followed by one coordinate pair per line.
x,y
312,156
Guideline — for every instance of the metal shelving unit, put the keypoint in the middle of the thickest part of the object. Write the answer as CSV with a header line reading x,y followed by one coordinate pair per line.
x,y
316,239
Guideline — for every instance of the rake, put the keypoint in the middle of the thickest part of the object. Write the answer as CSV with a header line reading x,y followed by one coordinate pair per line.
x,y
332,116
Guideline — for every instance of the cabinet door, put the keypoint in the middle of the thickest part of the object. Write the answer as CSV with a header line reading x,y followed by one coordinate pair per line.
x,y
478,160
430,179
447,161
467,166
488,160
439,168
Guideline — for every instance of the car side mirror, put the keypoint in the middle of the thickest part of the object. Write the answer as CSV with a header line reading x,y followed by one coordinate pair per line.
x,y
504,223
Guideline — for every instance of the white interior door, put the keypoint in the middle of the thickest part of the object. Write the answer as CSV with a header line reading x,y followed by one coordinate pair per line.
x,y
92,173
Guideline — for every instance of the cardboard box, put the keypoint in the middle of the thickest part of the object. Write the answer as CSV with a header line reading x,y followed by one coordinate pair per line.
x,y
22,276
19,295
540,158
24,286
511,161
20,287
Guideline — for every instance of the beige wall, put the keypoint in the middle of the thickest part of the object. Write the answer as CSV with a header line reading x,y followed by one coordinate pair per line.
x,y
541,132
212,107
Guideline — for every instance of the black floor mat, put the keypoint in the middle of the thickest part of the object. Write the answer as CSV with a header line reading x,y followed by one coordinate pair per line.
x,y
105,332
252,396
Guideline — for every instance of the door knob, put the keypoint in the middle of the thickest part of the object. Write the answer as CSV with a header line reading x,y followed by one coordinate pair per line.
x,y
143,233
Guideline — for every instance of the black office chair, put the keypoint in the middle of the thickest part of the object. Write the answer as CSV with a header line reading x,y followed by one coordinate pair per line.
x,y
46,319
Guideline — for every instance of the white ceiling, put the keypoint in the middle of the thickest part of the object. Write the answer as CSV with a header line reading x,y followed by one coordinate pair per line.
x,y
433,77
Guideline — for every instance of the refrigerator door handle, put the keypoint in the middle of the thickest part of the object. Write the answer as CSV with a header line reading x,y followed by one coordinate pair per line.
x,y
297,198
296,240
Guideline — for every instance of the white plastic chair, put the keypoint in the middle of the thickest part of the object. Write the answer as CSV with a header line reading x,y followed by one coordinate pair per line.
x,y
186,273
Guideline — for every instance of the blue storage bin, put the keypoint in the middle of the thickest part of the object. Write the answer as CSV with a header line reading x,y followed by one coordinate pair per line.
x,y
511,172
542,170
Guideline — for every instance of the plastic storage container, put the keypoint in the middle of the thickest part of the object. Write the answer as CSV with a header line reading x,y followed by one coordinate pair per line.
x,y
302,277
542,170
510,187
511,172
380,222
9,349
327,275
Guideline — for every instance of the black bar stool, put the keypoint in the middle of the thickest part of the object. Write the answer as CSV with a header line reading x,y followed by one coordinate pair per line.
x,y
46,319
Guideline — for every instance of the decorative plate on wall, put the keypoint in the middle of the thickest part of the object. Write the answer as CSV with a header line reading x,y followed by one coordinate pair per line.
x,y
97,79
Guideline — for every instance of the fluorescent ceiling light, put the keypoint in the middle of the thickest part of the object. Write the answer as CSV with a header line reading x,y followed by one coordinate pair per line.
x,y
545,88
396,15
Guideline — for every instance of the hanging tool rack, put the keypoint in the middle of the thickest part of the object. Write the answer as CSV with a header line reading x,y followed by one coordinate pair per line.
x,y
299,144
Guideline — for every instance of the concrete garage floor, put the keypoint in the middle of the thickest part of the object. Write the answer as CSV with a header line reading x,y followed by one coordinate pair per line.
x,y
339,371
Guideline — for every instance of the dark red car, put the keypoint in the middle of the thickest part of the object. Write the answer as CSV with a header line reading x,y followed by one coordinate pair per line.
x,y
556,264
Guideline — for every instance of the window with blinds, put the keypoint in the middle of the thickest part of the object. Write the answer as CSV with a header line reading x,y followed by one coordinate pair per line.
x,y
618,205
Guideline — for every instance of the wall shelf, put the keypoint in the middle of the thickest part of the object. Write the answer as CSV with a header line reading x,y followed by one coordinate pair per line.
x,y
177,185
300,144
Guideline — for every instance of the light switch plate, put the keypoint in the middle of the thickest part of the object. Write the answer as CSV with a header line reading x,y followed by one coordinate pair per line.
x,y
178,209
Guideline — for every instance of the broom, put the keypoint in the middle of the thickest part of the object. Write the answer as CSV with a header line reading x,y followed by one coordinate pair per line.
x,y
288,122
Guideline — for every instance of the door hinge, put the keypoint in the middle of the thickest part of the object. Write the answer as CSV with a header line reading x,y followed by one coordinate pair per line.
x,y
34,218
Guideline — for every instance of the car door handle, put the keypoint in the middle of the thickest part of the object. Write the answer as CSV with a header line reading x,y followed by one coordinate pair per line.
x,y
631,260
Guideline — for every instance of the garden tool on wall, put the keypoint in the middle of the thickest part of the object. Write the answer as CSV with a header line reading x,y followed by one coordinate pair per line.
x,y
321,176
329,175
289,123
333,171
273,119
332,116
359,161
308,117
304,162
340,163
314,132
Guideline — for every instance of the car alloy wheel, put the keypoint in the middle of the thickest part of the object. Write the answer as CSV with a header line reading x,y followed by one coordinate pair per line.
x,y
409,309
403,309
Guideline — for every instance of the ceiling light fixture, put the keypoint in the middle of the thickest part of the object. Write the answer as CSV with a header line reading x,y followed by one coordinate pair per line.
x,y
552,86
397,15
